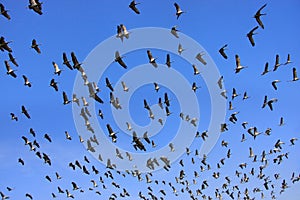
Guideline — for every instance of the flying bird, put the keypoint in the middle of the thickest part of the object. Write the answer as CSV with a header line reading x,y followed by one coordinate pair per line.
x,y
178,10
119,60
125,88
9,70
295,77
239,67
53,84
12,59
266,69
133,7
35,46
111,133
274,84
168,60
200,58
250,35
26,81
4,45
151,59
174,31
36,6
222,51
65,98
258,14
25,112
4,11
108,84
277,64
66,61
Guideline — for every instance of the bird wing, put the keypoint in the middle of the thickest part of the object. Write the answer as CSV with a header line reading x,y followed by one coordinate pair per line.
x,y
145,136
25,112
65,97
237,60
149,55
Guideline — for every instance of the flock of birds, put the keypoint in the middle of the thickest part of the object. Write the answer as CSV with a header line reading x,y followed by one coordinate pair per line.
x,y
100,180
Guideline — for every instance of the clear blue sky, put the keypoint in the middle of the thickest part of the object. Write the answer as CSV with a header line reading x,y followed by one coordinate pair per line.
x,y
80,26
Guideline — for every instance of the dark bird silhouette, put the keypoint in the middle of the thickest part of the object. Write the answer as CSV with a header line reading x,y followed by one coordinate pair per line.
x,y
29,196
168,60
53,84
119,60
167,101
250,35
108,84
26,81
266,69
257,16
295,77
12,59
174,31
35,46
76,64
9,70
4,45
111,133
21,161
133,7
277,64
178,10
4,12
66,61
93,94
36,6
222,51
25,112
65,98
47,137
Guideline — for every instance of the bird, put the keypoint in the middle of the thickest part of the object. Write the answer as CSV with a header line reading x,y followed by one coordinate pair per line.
x,y
196,71
180,49
222,51
28,196
25,112
53,84
124,31
266,69
274,84
295,77
76,64
250,35
111,133
66,61
4,45
20,160
269,102
9,70
277,64
258,14
68,137
119,60
4,11
108,84
151,59
26,81
239,67
168,61
133,7
35,46
174,31
12,59
167,101
288,60
65,98
234,94
56,69
156,86
194,87
47,137
281,122
36,6
200,58
179,12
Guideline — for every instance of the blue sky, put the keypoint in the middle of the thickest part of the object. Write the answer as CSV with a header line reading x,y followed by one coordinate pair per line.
x,y
80,26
